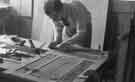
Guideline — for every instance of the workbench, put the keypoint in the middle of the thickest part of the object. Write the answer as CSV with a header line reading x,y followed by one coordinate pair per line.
x,y
50,66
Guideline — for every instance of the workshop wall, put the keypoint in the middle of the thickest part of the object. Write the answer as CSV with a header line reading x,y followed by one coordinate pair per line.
x,y
20,24
42,27
98,9
24,7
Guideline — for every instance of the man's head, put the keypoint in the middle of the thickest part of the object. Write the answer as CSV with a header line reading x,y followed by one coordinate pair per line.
x,y
53,8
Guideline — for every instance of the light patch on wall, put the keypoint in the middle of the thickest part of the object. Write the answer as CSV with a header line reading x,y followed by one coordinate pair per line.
x,y
98,9
23,7
4,5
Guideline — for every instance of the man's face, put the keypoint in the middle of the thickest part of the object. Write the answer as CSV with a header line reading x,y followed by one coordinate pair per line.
x,y
53,8
54,15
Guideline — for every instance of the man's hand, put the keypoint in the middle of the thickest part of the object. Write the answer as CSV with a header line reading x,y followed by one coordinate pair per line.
x,y
53,45
38,50
65,46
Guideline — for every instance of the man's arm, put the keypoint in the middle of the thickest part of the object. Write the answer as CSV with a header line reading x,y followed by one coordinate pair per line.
x,y
59,29
83,31
80,34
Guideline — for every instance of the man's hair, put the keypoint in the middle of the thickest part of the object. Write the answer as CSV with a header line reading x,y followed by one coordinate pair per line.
x,y
53,6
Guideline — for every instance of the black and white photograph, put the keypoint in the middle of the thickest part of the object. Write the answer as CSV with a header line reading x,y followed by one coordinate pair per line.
x,y
67,40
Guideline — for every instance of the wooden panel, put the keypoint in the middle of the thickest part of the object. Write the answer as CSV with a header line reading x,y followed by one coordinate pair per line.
x,y
121,6
124,27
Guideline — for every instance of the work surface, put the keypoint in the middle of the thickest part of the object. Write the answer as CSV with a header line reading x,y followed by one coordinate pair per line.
x,y
50,66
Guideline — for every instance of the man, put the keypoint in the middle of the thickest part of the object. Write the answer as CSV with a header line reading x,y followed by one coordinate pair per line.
x,y
72,22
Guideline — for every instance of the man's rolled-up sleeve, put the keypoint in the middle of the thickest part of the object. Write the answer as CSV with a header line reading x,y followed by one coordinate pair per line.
x,y
80,34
